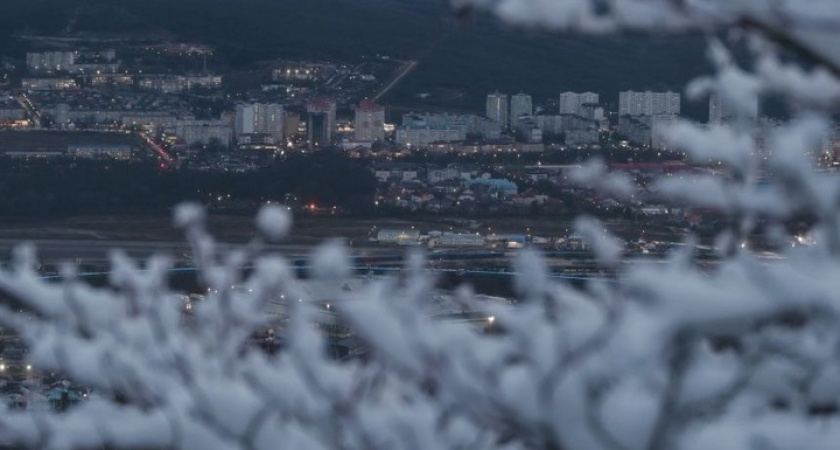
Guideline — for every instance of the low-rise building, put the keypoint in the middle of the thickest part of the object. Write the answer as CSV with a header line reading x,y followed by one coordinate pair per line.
x,y
398,236
100,151
194,131
461,240
150,121
437,176
421,130
499,185
34,154
110,79
48,84
10,109
582,137
421,136
173,84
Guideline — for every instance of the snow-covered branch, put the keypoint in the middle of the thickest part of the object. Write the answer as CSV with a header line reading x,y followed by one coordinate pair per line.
x,y
670,355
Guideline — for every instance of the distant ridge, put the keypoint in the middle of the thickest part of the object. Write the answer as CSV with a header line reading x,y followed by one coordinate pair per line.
x,y
459,62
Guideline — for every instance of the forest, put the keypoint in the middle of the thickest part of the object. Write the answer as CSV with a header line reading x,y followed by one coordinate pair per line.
x,y
52,188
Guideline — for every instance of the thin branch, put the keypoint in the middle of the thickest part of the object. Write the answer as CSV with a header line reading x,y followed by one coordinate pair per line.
x,y
680,358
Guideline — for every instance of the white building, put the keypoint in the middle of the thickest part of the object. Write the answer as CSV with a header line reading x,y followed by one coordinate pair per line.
x,y
398,236
582,137
721,111
202,81
100,151
554,124
260,118
529,129
48,84
520,105
422,136
461,240
659,124
497,108
572,102
632,103
173,84
203,131
88,62
50,61
420,130
370,122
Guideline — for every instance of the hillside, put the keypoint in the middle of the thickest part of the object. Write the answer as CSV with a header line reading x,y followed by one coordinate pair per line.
x,y
460,61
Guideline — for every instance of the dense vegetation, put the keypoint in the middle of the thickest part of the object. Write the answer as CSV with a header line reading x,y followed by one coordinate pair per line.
x,y
54,188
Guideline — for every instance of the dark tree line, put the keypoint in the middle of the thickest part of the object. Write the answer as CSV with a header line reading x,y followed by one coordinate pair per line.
x,y
68,187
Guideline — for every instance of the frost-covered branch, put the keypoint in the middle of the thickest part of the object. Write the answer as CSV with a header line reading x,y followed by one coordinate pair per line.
x,y
742,354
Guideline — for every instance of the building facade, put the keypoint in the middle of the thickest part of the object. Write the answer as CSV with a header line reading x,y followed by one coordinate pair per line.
x,y
398,236
50,61
520,105
88,62
721,111
497,108
461,240
370,122
204,131
100,151
633,103
573,102
320,122
173,84
659,125
416,135
48,84
420,130
260,118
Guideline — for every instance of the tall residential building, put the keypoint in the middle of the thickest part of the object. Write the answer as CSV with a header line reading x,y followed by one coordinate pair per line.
x,y
291,124
260,118
370,122
721,111
659,125
715,110
520,105
572,102
497,108
633,103
320,122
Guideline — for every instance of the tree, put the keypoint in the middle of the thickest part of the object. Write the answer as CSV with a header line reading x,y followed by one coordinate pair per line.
x,y
673,356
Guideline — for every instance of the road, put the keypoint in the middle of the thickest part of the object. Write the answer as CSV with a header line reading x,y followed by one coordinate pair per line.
x,y
92,256
166,157
95,252
30,108
404,70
